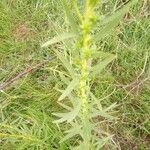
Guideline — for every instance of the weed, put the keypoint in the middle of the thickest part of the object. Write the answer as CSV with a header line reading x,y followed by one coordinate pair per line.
x,y
82,70
118,61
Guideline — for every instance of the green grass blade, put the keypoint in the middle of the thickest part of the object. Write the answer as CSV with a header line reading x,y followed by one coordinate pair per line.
x,y
58,38
111,22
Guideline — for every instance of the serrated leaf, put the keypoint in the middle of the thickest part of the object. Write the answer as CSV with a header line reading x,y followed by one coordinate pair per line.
x,y
99,67
69,116
70,17
58,38
69,89
110,22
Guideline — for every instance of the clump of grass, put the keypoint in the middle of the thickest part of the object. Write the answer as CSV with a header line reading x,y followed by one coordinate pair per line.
x,y
25,107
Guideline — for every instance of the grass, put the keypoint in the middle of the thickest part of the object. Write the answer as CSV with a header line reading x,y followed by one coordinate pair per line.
x,y
27,106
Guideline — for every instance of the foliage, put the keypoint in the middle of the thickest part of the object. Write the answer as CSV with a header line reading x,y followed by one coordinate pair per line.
x,y
118,80
81,71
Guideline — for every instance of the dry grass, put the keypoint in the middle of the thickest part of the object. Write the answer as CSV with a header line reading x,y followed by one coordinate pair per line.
x,y
22,32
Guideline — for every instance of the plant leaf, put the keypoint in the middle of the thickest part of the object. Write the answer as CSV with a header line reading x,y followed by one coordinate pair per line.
x,y
73,99
65,106
58,38
65,62
102,113
112,21
101,142
69,116
63,78
96,101
99,67
70,17
75,130
114,105
69,89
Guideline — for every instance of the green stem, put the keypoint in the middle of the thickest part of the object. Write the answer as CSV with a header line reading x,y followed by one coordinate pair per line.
x,y
84,67
85,56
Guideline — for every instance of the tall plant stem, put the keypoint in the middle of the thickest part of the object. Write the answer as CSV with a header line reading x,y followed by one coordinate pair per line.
x,y
85,57
85,54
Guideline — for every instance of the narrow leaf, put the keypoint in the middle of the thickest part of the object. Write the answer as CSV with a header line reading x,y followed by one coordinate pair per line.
x,y
73,99
58,38
69,89
75,130
70,17
100,54
69,116
99,67
101,142
65,62
63,78
110,107
65,106
102,113
111,22
96,101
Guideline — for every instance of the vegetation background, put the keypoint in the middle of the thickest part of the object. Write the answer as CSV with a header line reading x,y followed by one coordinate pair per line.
x,y
26,107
